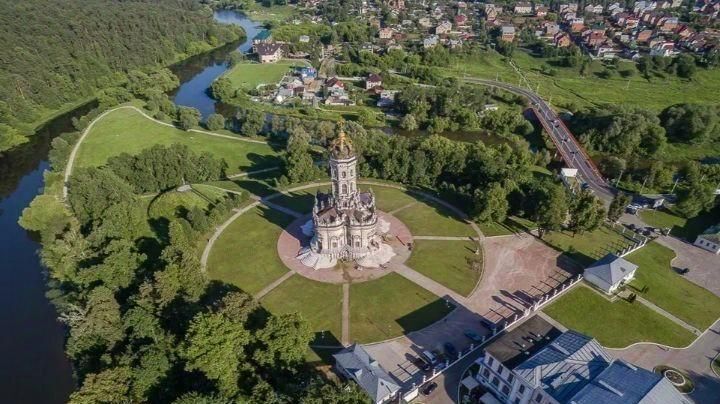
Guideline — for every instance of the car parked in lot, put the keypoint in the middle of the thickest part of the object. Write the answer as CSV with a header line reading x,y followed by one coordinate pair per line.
x,y
430,357
428,389
450,350
421,364
472,336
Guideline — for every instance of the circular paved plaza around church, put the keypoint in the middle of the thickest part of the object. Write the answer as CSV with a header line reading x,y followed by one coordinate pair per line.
x,y
292,239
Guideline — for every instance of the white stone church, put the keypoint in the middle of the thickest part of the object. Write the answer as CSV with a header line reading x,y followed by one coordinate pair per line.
x,y
345,224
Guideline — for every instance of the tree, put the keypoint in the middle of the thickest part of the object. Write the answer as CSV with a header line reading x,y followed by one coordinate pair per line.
x,y
586,212
215,345
47,215
188,117
107,387
251,122
553,210
94,190
222,89
685,66
408,122
118,268
299,164
321,392
618,205
215,122
694,197
97,325
691,123
284,342
613,166
491,203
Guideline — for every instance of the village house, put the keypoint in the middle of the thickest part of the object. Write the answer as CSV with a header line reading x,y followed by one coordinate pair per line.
x,y
551,29
264,36
710,239
491,12
430,41
663,48
356,364
387,98
644,36
443,28
541,11
562,40
270,52
304,39
593,38
372,81
425,22
523,8
386,33
395,5
460,20
577,24
507,33
568,8
668,24
594,9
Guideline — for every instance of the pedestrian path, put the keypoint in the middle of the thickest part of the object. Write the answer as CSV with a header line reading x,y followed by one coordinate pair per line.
x,y
345,339
281,208
259,295
428,284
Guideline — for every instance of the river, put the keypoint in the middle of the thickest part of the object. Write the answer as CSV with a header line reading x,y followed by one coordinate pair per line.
x,y
34,368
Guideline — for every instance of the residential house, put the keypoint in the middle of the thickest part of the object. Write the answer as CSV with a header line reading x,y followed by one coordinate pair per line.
x,y
562,40
537,363
443,28
356,364
577,24
304,39
594,9
569,177
610,272
710,239
663,48
395,5
593,38
644,36
334,83
386,33
541,11
425,22
507,33
372,81
551,29
568,8
306,73
460,20
606,50
491,12
387,98
264,36
523,8
668,24
632,22
270,52
430,41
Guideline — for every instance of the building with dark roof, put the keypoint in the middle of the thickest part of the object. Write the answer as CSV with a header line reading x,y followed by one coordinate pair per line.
x,y
710,239
537,363
355,363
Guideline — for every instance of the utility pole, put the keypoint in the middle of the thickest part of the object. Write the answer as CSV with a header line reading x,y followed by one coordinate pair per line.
x,y
672,191
617,181
643,185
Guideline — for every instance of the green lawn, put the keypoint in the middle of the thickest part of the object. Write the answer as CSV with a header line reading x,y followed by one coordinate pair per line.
x,y
319,303
445,262
568,86
679,226
260,184
588,247
511,225
248,76
431,219
245,255
618,324
391,306
171,203
126,130
389,199
300,201
667,289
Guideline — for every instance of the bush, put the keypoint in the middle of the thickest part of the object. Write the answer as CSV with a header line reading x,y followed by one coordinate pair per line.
x,y
215,122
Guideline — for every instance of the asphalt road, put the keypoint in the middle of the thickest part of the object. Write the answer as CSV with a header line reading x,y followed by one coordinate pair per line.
x,y
570,149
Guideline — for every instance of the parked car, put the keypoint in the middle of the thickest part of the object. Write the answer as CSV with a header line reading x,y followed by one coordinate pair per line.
x,y
473,336
421,364
428,389
430,357
450,350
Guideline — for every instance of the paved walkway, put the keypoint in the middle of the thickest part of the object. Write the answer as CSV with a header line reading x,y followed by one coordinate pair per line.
x,y
346,314
282,209
426,283
396,210
668,315
267,289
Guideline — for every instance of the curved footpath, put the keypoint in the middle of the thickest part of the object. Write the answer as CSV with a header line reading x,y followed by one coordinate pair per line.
x,y
73,153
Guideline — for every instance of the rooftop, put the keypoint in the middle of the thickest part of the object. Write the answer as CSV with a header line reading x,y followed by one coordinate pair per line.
x,y
366,371
517,345
611,268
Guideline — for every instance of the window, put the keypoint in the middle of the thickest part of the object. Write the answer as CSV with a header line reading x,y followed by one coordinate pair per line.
x,y
490,361
486,374
517,400
511,378
506,390
495,381
344,188
538,398
521,389
344,174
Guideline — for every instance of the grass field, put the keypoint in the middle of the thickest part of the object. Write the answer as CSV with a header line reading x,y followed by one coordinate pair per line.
x,y
430,219
445,262
171,203
667,289
126,130
687,229
587,247
391,306
389,199
568,86
248,76
319,303
245,255
618,324
511,225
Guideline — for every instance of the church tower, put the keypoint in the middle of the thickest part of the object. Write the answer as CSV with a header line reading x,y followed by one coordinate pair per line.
x,y
343,171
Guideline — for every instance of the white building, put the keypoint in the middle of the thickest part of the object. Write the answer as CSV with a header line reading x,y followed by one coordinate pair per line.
x,y
356,364
610,272
535,363
710,240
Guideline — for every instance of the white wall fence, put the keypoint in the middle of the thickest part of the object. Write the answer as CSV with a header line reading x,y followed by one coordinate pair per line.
x,y
631,248
538,304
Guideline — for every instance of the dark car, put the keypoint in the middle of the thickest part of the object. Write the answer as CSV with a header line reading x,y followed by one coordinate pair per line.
x,y
473,336
450,349
421,364
428,389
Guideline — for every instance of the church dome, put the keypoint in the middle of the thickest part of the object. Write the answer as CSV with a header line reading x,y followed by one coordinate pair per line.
x,y
341,147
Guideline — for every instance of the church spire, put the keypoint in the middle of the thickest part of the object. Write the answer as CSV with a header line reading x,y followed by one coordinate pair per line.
x,y
341,147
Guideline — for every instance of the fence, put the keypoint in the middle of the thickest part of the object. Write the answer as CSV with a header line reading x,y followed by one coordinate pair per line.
x,y
500,327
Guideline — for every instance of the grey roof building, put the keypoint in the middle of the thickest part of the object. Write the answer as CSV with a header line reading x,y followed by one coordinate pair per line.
x,y
609,272
356,364
536,363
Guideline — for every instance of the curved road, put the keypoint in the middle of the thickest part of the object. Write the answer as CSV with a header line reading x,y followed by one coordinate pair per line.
x,y
570,149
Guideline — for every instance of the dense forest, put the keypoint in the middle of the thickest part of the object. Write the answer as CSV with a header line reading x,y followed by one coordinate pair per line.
x,y
54,53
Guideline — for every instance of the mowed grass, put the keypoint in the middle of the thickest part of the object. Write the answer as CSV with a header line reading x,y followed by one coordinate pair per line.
x,y
446,262
669,290
511,225
245,255
687,229
427,218
388,199
319,303
300,201
248,76
171,203
588,247
617,324
390,307
126,130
